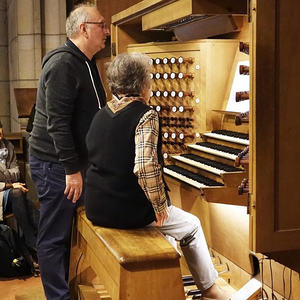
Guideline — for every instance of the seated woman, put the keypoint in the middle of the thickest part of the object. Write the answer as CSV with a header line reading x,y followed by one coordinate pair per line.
x,y
13,193
125,185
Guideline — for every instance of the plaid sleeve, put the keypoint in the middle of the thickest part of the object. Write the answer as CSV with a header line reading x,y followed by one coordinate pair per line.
x,y
146,166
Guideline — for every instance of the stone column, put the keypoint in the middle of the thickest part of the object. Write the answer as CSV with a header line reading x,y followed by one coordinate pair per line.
x,y
54,21
34,28
4,74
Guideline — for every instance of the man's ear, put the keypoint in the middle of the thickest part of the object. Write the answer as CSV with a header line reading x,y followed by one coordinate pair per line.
x,y
82,30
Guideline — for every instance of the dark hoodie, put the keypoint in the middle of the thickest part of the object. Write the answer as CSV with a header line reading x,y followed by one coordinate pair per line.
x,y
70,92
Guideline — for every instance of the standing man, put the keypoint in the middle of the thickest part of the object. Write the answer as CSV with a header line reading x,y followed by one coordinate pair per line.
x,y
70,92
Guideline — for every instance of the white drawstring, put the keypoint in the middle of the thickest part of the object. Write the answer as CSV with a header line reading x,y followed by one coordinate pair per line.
x,y
93,84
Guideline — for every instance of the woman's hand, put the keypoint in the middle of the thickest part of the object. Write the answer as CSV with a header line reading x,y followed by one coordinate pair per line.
x,y
20,186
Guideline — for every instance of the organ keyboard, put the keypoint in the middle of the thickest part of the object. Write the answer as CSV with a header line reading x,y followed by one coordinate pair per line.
x,y
209,166
189,177
206,164
230,136
215,149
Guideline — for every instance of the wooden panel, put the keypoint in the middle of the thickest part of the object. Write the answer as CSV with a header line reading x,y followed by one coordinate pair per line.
x,y
171,12
124,35
140,8
184,8
230,225
109,8
225,226
209,86
225,195
277,122
87,293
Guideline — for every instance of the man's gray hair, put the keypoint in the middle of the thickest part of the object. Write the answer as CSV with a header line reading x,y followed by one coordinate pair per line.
x,y
77,16
129,73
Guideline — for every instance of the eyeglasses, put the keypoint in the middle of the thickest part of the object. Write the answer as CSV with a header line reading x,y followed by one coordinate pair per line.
x,y
100,24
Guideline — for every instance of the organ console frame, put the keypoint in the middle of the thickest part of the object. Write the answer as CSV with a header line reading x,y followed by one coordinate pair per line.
x,y
207,58
273,227
287,239
274,125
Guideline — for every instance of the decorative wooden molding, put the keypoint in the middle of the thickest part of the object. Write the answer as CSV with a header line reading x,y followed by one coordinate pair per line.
x,y
138,10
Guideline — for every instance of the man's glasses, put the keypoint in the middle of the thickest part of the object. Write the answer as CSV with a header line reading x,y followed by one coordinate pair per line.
x,y
100,24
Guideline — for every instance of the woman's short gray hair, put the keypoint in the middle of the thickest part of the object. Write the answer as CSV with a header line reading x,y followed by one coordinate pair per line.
x,y
129,73
77,16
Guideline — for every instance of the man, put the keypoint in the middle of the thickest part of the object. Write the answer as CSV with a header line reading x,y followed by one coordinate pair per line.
x,y
70,92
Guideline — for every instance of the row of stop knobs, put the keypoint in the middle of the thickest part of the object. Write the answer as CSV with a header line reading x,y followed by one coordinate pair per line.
x,y
173,60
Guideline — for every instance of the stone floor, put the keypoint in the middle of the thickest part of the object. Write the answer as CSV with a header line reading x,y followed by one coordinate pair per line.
x,y
23,288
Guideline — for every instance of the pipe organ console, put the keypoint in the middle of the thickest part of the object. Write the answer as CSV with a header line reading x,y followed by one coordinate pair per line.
x,y
229,167
182,94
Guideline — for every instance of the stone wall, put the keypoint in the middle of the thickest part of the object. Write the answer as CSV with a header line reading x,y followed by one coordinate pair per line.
x,y
32,28
4,71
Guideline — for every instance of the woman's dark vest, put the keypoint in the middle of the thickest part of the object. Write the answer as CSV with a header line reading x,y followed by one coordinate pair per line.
x,y
113,195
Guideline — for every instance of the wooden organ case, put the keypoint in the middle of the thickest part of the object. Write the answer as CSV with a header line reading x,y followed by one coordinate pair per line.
x,y
189,83
260,228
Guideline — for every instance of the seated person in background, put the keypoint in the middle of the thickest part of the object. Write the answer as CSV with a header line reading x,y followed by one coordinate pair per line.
x,y
125,185
13,192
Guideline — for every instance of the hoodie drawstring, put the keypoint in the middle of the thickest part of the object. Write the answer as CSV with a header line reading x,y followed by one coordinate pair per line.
x,y
92,79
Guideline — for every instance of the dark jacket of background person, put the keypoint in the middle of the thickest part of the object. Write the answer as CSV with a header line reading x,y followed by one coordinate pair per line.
x,y
55,119
113,195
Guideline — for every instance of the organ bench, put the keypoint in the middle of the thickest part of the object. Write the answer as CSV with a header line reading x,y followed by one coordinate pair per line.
x,y
131,264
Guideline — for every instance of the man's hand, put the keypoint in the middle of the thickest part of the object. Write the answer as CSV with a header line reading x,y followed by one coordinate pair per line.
x,y
20,186
162,217
73,186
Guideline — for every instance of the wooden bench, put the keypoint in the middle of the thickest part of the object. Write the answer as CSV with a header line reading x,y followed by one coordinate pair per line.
x,y
131,264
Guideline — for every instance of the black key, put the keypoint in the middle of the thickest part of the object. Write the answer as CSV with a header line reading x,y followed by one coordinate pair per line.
x,y
235,134
220,147
211,163
189,282
193,176
197,296
193,292
187,277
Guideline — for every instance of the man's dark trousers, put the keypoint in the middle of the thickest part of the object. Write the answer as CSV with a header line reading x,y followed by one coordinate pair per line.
x,y
55,225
